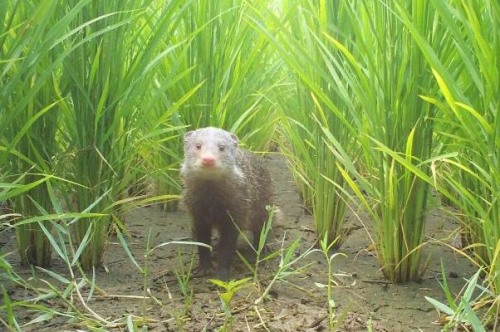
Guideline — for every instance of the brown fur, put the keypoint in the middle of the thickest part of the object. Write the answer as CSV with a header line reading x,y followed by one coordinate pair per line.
x,y
234,190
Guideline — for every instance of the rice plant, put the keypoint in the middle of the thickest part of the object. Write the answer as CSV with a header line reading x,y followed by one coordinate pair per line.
x,y
215,71
366,95
387,74
28,110
472,114
232,64
314,104
469,80
104,82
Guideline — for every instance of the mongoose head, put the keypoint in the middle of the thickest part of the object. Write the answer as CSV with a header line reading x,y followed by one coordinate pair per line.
x,y
210,153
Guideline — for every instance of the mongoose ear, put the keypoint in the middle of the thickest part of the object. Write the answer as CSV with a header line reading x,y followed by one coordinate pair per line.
x,y
188,134
234,138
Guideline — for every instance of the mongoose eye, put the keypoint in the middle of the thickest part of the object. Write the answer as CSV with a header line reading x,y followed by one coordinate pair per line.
x,y
198,146
222,148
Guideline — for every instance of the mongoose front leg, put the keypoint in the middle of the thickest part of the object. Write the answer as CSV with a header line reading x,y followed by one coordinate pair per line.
x,y
203,234
227,247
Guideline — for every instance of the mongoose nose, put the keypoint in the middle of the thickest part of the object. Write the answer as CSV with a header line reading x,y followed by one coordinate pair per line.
x,y
208,161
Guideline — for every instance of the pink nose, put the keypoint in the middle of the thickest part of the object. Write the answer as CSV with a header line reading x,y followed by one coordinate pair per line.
x,y
208,161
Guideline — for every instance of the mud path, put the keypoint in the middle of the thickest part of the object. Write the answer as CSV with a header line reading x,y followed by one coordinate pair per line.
x,y
362,296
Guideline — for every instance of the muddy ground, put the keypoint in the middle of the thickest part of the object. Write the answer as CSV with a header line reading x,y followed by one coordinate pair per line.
x,y
363,299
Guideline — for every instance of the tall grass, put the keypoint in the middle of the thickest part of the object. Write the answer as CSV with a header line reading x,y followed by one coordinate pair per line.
x,y
217,71
105,82
233,66
370,76
469,82
314,106
387,74
79,78
30,123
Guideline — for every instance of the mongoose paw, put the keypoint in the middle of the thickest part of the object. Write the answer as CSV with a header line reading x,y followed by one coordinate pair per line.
x,y
202,270
222,274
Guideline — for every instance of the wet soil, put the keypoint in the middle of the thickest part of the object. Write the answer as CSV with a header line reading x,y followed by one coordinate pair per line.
x,y
150,288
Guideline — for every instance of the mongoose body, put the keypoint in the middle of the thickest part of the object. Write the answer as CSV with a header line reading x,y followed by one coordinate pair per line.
x,y
224,186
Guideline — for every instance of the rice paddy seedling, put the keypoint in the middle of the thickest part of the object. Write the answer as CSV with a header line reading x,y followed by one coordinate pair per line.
x,y
316,103
367,91
468,78
28,38
232,64
105,82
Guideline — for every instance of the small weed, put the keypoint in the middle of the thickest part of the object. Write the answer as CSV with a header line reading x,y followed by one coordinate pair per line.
x,y
286,267
461,312
326,248
230,289
260,249
183,276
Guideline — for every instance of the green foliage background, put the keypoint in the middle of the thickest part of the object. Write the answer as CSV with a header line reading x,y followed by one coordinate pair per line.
x,y
374,103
